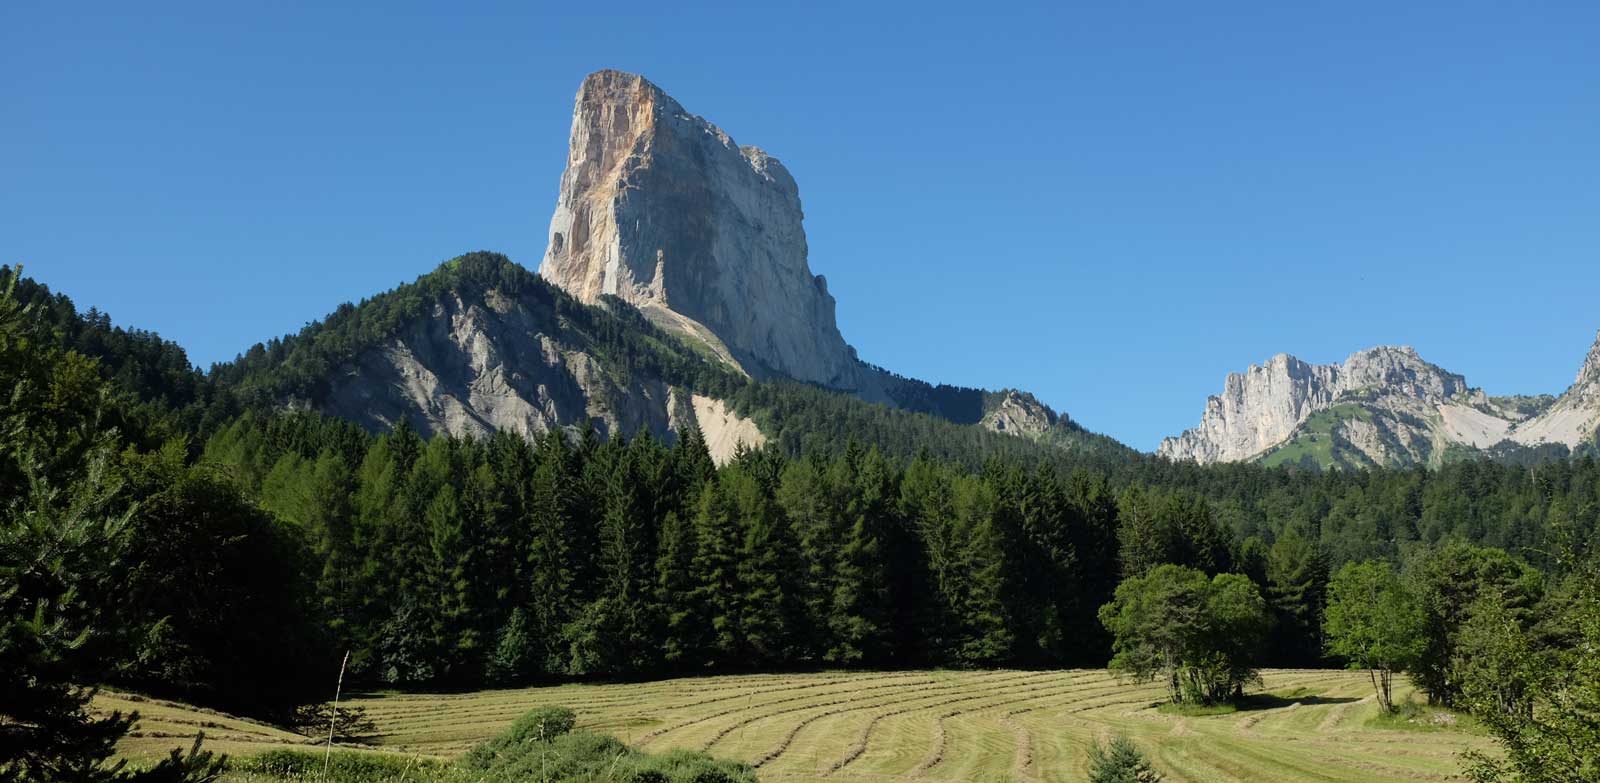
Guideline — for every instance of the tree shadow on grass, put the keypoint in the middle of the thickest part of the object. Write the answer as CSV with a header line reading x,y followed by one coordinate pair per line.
x,y
1273,701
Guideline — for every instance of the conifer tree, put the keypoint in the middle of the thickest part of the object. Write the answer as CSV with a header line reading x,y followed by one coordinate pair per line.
x,y
859,616
719,538
768,606
1297,581
551,564
683,625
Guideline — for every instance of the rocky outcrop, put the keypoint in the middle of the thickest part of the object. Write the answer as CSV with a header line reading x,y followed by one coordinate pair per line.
x,y
1018,413
663,209
1257,409
724,431
1381,406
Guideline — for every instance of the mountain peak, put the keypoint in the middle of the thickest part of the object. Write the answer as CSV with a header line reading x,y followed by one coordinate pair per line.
x,y
663,209
1400,369
1590,371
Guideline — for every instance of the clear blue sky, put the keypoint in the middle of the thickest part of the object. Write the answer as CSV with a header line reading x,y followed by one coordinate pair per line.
x,y
1110,204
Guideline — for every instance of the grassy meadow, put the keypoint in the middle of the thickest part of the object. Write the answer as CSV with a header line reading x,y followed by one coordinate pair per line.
x,y
1305,725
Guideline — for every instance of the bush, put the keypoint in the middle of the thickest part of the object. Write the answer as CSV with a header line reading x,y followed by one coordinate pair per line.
x,y
542,747
1120,762
344,766
541,725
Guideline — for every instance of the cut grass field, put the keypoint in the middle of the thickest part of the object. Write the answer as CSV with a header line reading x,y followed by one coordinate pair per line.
x,y
1021,726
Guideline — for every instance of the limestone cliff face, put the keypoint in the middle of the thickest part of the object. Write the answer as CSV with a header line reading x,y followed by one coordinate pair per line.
x,y
662,209
1382,406
484,361
1574,417
1256,410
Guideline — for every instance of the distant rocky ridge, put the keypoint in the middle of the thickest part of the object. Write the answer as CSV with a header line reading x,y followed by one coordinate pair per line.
x,y
1382,406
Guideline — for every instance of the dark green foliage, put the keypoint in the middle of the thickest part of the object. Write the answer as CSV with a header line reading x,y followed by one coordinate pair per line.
x,y
64,527
342,766
1446,584
537,726
512,662
861,537
205,584
162,388
1170,527
1374,622
50,551
1120,761
1541,701
1297,583
1202,637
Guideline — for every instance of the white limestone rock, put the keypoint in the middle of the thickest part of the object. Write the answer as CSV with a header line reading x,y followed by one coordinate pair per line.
x,y
662,209
1396,409
486,362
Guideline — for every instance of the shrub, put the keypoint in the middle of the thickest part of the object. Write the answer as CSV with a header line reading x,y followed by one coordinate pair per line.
x,y
343,766
1120,762
542,748
541,725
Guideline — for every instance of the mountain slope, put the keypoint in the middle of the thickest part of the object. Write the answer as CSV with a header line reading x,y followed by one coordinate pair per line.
x,y
1381,406
481,344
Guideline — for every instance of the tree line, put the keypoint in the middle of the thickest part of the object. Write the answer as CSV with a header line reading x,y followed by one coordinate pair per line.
x,y
229,553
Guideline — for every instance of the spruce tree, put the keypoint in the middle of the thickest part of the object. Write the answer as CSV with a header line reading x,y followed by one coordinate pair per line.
x,y
1297,581
551,566
718,548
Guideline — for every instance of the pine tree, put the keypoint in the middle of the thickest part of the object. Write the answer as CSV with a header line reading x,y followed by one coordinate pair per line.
x,y
809,496
768,606
988,636
551,565
718,548
683,624
513,660
927,503
1297,581
613,633
859,616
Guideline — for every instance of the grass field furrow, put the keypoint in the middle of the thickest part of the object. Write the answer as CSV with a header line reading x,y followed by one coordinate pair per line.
x,y
789,737
898,684
592,696
1021,740
1307,726
931,691
864,738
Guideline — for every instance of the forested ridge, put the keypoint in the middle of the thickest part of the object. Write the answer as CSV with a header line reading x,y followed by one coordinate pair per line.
x,y
229,552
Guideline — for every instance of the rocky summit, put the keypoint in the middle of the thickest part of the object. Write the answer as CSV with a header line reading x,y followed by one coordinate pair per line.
x,y
1381,406
664,210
